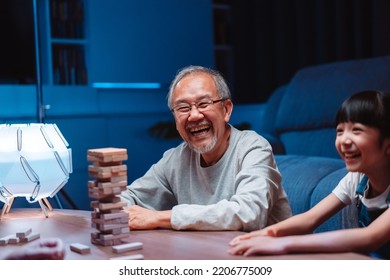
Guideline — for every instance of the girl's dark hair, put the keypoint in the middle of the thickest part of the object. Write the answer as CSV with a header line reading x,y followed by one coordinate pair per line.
x,y
370,107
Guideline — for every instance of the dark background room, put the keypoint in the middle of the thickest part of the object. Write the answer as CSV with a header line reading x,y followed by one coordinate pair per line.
x,y
100,69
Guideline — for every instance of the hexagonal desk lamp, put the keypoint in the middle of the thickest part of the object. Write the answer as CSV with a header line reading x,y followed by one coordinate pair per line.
x,y
35,163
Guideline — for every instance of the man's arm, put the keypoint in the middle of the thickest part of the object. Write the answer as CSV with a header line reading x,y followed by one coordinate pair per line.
x,y
152,190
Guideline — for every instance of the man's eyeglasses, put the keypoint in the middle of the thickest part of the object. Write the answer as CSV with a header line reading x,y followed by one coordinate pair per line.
x,y
202,106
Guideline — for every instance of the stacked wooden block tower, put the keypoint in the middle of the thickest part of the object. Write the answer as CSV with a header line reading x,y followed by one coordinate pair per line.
x,y
110,179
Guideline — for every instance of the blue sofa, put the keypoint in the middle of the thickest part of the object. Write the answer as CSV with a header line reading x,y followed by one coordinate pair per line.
x,y
298,120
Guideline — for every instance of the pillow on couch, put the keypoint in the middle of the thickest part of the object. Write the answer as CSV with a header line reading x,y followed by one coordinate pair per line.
x,y
307,180
305,119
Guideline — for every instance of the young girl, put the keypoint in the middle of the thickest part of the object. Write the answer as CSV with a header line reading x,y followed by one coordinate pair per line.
x,y
363,142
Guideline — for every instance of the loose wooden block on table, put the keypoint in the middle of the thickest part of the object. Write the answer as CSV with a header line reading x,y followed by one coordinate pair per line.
x,y
32,236
24,232
127,247
129,257
80,248
5,239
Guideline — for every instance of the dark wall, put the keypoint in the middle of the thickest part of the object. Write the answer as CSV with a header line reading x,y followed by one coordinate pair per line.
x,y
17,52
274,39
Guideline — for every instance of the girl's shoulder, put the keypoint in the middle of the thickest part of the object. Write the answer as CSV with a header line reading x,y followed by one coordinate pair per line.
x,y
353,178
346,188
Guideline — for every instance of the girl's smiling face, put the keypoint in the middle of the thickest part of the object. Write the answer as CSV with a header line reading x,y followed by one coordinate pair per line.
x,y
361,147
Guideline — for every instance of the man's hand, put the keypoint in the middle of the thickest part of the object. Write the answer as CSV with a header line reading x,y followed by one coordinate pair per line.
x,y
142,218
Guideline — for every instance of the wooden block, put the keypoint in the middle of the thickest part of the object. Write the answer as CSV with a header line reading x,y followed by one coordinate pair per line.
x,y
110,151
109,242
99,161
80,248
118,169
110,216
127,247
123,220
92,183
108,206
117,179
14,240
109,222
110,199
118,237
107,227
114,231
112,185
129,257
5,239
101,193
32,236
24,233
121,230
95,215
107,155
102,186
107,171
107,190
111,163
100,243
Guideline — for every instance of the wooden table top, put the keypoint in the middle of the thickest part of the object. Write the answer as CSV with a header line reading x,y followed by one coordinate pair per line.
x,y
74,226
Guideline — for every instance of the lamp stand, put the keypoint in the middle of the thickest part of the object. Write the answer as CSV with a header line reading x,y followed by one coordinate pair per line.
x,y
41,107
44,203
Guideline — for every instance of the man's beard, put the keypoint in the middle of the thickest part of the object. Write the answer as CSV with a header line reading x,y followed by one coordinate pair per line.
x,y
206,148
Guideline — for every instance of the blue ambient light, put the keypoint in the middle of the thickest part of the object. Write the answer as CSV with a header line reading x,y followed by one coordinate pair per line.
x,y
127,85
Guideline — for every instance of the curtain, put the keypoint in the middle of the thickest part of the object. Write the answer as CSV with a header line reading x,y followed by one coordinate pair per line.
x,y
273,39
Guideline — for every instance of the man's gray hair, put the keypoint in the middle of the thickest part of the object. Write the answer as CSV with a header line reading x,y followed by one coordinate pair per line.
x,y
220,83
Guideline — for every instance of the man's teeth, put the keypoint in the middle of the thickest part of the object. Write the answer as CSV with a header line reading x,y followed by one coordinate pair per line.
x,y
198,129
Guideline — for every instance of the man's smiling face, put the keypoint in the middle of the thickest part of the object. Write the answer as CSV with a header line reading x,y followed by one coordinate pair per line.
x,y
203,130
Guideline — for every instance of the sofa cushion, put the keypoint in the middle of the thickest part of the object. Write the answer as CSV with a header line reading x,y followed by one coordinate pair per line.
x,y
315,93
316,142
309,103
271,111
323,189
307,180
301,176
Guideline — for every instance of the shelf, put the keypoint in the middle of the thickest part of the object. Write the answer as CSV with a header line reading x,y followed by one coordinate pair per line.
x,y
67,42
223,48
69,65
67,18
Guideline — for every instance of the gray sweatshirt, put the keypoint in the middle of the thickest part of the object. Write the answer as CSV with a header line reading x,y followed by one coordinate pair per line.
x,y
242,191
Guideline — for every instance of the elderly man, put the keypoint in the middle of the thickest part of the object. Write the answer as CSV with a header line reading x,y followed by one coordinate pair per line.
x,y
219,178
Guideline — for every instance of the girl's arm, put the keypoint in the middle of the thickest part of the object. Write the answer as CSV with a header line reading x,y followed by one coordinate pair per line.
x,y
299,224
362,240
